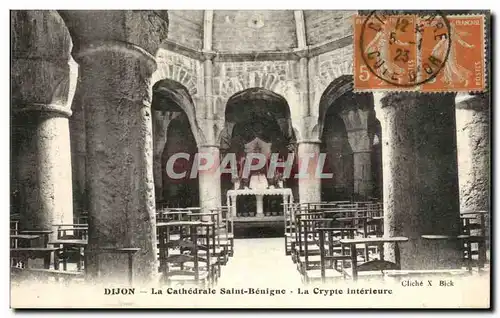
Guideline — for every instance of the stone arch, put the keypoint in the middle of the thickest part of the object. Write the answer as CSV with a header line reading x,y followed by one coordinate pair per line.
x,y
328,68
178,72
285,120
179,95
280,84
338,87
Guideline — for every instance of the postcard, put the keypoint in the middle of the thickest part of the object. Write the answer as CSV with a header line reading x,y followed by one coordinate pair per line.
x,y
250,159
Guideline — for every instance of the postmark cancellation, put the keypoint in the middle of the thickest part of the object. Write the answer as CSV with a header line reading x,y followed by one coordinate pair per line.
x,y
421,52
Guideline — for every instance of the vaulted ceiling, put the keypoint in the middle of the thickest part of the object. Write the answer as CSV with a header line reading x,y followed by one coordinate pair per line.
x,y
251,31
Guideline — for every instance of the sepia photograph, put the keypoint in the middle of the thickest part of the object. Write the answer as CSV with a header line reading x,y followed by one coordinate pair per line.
x,y
182,159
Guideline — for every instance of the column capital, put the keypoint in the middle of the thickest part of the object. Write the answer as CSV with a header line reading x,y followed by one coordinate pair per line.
x,y
90,53
114,71
143,28
208,55
52,109
309,141
208,146
40,73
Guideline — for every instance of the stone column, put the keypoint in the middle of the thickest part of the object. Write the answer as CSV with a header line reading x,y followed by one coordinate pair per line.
x,y
356,123
78,158
360,144
310,183
115,86
41,158
420,177
209,179
473,141
259,200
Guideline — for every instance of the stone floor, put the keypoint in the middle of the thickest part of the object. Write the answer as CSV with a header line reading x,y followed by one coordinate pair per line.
x,y
259,261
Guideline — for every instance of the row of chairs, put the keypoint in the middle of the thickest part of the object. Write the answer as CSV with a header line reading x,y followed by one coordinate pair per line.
x,y
194,245
316,232
366,215
339,240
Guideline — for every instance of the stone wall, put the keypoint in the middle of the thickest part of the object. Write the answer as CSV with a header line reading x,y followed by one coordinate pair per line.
x,y
182,69
280,77
186,27
324,69
254,30
323,25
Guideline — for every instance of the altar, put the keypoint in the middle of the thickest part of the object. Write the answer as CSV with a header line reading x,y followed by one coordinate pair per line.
x,y
260,215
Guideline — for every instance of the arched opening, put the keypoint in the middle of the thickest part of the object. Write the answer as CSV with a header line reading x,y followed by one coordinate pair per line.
x,y
258,120
173,134
350,136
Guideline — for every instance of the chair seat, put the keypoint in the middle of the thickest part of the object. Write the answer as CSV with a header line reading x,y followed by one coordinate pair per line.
x,y
310,259
314,249
218,251
201,265
329,273
225,242
186,278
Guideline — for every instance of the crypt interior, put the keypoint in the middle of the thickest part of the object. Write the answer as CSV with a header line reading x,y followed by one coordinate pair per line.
x,y
101,100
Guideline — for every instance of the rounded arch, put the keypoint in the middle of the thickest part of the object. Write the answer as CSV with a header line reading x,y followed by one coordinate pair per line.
x,y
338,87
271,103
279,103
341,89
169,95
267,78
178,68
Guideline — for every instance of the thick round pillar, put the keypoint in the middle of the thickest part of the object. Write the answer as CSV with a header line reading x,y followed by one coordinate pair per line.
x,y
360,143
420,177
41,160
473,141
43,164
209,177
363,184
309,177
78,158
114,85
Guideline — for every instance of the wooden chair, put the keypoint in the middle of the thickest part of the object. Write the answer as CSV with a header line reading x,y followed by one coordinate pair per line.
x,y
178,245
303,243
308,249
217,250
174,214
376,266
225,230
68,253
474,226
289,211
332,255
14,226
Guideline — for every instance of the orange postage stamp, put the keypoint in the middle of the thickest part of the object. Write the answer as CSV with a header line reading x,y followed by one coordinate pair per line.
x,y
429,52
